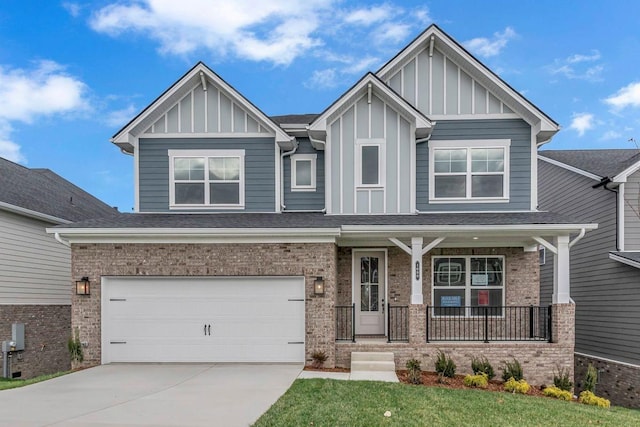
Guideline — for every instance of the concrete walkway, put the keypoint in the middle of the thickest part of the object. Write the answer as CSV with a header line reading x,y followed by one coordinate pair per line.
x,y
150,395
357,376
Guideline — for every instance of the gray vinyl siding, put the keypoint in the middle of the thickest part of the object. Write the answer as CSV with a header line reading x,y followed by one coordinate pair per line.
x,y
516,130
305,200
35,269
606,292
259,170
632,213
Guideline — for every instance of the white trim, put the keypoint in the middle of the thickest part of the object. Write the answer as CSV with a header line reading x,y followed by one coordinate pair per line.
x,y
136,174
207,135
623,260
534,172
328,179
371,142
621,214
631,365
622,176
412,170
570,168
279,199
32,214
504,144
312,158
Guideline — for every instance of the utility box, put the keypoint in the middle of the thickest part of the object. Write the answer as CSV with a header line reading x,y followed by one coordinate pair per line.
x,y
17,336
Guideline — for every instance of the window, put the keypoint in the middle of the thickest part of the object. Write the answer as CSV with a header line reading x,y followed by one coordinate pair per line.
x,y
469,170
370,163
206,178
303,172
542,255
467,281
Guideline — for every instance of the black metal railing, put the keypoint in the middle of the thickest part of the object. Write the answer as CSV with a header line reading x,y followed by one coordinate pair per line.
x,y
494,323
397,323
346,323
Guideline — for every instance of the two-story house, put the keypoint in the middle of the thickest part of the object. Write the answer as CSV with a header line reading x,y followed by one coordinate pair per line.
x,y
402,218
600,186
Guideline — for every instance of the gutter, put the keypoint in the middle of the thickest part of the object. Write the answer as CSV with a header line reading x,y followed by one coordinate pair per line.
x,y
604,184
61,240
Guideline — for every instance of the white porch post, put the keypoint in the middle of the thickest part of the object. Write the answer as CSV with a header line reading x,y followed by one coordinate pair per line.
x,y
561,275
416,270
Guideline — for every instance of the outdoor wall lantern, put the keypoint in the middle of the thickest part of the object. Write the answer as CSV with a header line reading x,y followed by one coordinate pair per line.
x,y
318,286
82,286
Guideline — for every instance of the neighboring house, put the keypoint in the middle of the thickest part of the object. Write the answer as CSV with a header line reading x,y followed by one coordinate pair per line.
x,y
600,186
35,269
403,218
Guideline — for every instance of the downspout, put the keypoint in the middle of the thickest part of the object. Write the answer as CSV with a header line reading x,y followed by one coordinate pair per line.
x,y
123,151
578,238
286,153
61,240
603,183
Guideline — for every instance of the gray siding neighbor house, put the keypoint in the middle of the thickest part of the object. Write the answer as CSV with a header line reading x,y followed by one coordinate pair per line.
x,y
399,219
35,269
600,186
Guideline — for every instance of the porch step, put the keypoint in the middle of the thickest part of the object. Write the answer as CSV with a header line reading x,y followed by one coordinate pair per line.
x,y
372,361
372,356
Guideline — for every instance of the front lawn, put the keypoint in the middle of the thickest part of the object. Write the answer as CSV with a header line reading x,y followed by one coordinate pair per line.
x,y
6,383
319,402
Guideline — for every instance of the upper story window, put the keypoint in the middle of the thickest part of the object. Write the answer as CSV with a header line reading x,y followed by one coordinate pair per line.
x,y
206,178
370,163
469,171
303,172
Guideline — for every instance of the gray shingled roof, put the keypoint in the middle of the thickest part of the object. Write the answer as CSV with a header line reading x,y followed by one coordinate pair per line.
x,y
316,220
290,119
604,163
631,256
43,191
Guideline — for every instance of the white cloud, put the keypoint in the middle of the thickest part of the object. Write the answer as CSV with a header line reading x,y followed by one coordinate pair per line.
x,y
628,96
369,16
573,59
26,95
582,122
322,79
360,66
610,134
391,32
119,118
73,8
576,67
490,47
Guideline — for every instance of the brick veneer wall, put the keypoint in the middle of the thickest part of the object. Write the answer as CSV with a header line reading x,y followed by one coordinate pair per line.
x,y
617,382
47,329
291,259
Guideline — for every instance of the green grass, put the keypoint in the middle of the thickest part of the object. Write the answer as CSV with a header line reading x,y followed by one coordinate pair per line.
x,y
318,402
6,383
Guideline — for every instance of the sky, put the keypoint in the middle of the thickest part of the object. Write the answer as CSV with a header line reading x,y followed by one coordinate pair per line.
x,y
73,73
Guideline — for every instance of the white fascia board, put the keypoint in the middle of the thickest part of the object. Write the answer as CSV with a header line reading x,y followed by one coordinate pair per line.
x,y
623,260
32,214
446,230
570,168
622,176
197,231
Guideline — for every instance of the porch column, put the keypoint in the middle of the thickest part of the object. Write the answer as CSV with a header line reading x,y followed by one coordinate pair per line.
x,y
416,270
561,271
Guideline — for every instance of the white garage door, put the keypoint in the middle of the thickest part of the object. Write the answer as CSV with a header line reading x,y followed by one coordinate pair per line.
x,y
224,319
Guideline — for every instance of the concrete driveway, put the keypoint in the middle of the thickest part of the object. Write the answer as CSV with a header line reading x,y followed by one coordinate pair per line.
x,y
150,395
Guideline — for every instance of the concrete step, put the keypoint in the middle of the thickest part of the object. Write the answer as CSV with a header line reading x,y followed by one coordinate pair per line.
x,y
372,356
372,366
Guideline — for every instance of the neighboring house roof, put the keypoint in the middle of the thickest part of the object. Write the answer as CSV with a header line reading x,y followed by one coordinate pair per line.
x,y
294,119
603,163
42,193
629,258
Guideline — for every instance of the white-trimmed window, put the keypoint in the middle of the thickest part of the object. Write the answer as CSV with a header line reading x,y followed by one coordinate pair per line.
x,y
370,163
467,281
469,171
303,172
206,178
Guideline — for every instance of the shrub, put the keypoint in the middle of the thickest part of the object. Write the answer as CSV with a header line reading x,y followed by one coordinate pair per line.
x,y
557,393
562,380
517,386
445,367
590,379
512,370
415,373
75,347
480,380
318,357
482,366
588,398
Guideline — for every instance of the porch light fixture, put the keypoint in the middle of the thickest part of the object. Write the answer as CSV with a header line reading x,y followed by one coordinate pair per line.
x,y
83,286
318,286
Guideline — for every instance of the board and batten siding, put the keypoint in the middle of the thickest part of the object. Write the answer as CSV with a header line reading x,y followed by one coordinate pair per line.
x,y
259,170
515,130
605,291
35,269
438,86
632,213
377,121
305,200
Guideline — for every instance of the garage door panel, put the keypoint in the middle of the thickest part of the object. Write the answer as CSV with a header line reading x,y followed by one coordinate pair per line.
x,y
163,319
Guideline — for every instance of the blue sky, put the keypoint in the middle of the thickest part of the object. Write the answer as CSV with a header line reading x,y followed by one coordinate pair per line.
x,y
73,73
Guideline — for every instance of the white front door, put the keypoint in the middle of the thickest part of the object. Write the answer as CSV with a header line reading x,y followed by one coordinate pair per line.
x,y
370,288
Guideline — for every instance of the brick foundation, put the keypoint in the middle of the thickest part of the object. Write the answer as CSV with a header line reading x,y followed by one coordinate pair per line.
x,y
47,329
620,383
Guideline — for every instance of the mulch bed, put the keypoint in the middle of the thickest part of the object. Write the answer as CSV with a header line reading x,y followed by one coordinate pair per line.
x,y
313,368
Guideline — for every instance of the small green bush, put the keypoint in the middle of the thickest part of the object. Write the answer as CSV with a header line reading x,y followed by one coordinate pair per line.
x,y
557,393
517,386
445,367
512,369
415,373
480,380
588,398
562,379
482,366
590,379
75,347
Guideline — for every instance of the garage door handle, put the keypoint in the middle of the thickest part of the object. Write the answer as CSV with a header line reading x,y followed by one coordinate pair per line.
x,y
209,330
205,329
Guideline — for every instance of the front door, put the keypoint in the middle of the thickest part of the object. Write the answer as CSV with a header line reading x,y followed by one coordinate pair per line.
x,y
369,292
